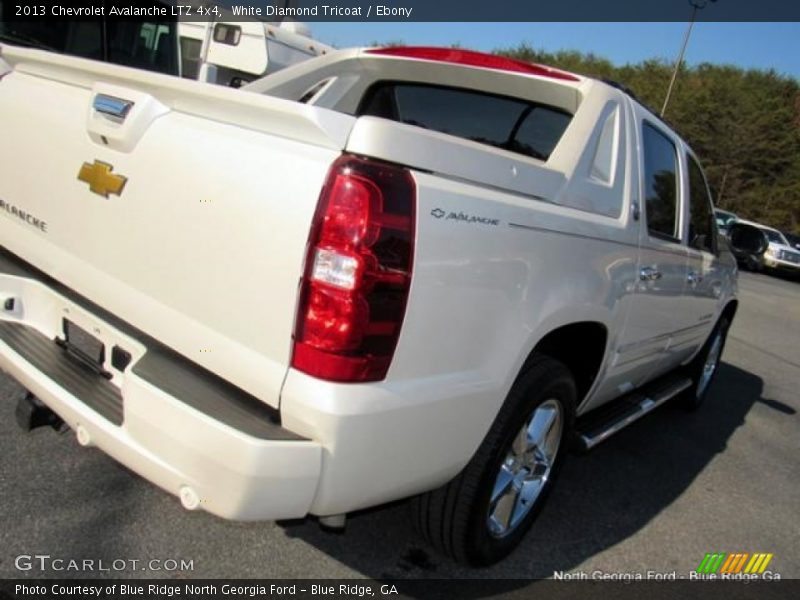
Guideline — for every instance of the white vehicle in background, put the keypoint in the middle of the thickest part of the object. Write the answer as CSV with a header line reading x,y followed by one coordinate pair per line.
x,y
780,255
150,43
235,53
219,51
724,219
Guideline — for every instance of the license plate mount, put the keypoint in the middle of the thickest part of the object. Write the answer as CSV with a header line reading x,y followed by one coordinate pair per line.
x,y
84,346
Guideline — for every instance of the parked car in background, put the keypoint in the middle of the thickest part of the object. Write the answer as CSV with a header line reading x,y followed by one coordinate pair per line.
x,y
793,239
747,243
780,255
724,218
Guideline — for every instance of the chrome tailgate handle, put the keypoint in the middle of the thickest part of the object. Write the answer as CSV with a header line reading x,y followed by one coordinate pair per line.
x,y
112,106
118,117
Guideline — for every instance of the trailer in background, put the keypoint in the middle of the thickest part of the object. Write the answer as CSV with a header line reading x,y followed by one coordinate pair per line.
x,y
233,53
220,51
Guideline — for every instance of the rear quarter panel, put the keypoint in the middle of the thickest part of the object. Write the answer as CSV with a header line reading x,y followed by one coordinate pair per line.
x,y
494,271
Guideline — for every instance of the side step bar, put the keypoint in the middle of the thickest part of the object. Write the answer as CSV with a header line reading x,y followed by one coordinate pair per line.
x,y
599,425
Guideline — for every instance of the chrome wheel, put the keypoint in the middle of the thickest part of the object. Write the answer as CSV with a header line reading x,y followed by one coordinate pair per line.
x,y
710,366
525,469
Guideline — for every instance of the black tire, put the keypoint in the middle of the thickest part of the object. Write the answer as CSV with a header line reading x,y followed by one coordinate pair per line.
x,y
455,518
695,395
751,263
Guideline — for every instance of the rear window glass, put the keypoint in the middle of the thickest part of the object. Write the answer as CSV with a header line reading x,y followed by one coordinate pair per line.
x,y
511,124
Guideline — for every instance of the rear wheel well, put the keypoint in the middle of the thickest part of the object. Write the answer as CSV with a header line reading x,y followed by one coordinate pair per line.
x,y
578,346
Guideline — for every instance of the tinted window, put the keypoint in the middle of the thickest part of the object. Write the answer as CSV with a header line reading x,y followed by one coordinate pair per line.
x,y
151,46
507,123
774,237
540,131
701,220
227,34
190,57
79,38
148,45
661,183
724,218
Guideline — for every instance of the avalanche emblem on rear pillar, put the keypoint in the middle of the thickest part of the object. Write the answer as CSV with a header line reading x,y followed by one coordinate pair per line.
x,y
100,178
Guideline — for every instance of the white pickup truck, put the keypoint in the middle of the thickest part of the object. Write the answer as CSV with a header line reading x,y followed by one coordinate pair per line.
x,y
378,274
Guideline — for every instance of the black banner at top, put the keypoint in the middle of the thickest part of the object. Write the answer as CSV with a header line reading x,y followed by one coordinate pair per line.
x,y
410,10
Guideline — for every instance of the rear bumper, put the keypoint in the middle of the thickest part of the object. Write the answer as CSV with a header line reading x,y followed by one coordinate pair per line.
x,y
336,447
166,419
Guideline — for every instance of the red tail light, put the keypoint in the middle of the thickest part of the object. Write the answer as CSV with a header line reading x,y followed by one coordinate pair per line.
x,y
358,272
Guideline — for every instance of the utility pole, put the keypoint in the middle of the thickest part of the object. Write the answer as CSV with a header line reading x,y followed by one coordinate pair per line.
x,y
722,186
696,5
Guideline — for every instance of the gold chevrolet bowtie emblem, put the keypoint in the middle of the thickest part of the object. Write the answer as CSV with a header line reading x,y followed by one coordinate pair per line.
x,y
100,178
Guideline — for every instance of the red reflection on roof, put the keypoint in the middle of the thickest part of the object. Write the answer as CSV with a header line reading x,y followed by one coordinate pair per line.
x,y
473,59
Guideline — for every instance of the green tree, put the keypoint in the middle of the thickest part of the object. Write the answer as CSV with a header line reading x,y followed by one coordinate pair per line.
x,y
744,125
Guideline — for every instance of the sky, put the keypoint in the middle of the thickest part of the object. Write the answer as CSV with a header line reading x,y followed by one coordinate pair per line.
x,y
748,45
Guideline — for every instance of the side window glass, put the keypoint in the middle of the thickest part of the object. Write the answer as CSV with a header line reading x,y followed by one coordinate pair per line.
x,y
190,57
227,34
701,220
660,184
146,45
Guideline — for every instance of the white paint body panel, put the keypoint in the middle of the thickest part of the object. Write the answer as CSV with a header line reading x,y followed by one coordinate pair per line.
x,y
162,439
204,251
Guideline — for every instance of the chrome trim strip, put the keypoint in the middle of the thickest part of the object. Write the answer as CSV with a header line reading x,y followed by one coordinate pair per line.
x,y
568,233
646,405
109,105
682,331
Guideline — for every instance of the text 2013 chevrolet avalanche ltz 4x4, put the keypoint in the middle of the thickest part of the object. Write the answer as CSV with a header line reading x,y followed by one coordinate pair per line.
x,y
383,273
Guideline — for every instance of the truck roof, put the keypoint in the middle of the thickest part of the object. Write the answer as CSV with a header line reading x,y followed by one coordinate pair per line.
x,y
454,67
471,58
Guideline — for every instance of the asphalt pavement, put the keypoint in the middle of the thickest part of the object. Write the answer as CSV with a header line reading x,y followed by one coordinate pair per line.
x,y
656,497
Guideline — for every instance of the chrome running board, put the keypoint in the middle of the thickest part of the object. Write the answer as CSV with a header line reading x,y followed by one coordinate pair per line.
x,y
608,420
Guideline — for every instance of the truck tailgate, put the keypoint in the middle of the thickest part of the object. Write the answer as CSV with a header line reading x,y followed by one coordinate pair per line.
x,y
182,208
